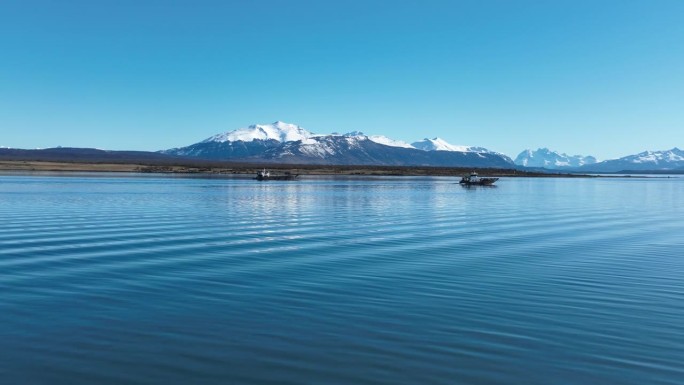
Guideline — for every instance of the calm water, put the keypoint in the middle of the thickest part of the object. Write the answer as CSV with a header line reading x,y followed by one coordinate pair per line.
x,y
168,280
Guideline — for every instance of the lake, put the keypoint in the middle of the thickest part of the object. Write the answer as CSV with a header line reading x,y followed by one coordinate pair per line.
x,y
152,279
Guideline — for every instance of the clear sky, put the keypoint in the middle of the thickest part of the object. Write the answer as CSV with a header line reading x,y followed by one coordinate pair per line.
x,y
604,78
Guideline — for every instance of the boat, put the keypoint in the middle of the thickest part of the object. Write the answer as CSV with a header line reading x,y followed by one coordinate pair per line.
x,y
474,180
266,175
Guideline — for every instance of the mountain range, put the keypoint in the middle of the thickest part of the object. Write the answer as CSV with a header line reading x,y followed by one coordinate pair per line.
x,y
647,161
664,160
291,144
288,143
285,143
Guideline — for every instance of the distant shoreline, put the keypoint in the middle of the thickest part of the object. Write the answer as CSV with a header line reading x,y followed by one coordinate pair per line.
x,y
223,168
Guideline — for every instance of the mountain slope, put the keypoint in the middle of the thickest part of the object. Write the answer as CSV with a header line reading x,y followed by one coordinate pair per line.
x,y
438,144
644,161
360,150
388,141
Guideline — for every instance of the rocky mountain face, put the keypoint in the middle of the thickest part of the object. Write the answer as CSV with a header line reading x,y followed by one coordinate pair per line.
x,y
545,158
288,143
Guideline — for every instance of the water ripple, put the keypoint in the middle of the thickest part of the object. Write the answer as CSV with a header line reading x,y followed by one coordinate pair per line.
x,y
340,280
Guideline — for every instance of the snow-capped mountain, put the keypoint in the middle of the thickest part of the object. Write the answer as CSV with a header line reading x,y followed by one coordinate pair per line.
x,y
543,157
659,158
381,139
289,143
645,161
389,141
280,131
438,144
360,150
243,142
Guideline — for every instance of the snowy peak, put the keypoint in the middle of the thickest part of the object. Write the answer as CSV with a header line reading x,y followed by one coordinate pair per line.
x,y
439,144
279,131
543,157
657,157
645,161
436,144
381,139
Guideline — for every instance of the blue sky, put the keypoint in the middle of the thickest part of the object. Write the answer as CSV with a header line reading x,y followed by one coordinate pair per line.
x,y
604,78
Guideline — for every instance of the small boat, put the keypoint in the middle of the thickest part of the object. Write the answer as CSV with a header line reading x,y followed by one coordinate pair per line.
x,y
266,175
474,180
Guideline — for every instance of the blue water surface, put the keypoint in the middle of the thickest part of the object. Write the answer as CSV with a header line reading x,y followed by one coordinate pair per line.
x,y
131,279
